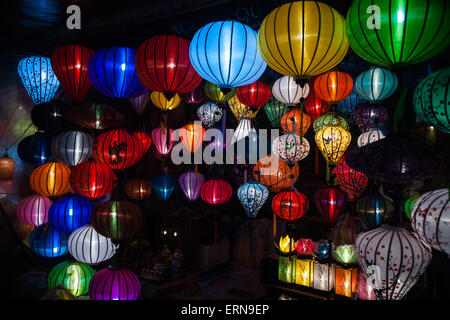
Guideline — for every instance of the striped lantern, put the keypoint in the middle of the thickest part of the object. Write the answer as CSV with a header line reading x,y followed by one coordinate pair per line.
x,y
33,210
254,95
376,84
329,119
70,213
72,147
288,92
144,139
351,181
346,106
252,196
191,183
333,86
162,138
275,110
296,121
374,209
332,142
290,205
192,136
139,103
330,202
51,179
35,149
48,242
240,110
214,93
216,192
114,284
72,275
138,189
290,148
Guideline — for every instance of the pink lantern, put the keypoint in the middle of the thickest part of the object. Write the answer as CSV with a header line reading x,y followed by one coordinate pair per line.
x,y
33,210
162,140
365,289
305,247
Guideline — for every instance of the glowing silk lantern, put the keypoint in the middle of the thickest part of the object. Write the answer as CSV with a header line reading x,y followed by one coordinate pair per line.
x,y
70,64
286,269
48,242
376,84
312,43
139,103
365,288
162,140
432,102
191,183
252,196
397,256
163,186
287,244
346,281
209,114
113,73
314,106
160,101
216,192
353,182
347,105
50,117
274,173
138,189
323,276
305,247
33,210
374,209
226,53
117,219
333,86
288,92
370,136
51,179
370,116
244,129
114,284
35,149
72,147
195,96
70,213
409,204
296,121
240,110
405,32
345,254
290,148
330,202
329,119
430,219
144,139
274,111
192,136
38,78
290,205
254,95
323,249
92,179
303,272
218,95
72,275
332,142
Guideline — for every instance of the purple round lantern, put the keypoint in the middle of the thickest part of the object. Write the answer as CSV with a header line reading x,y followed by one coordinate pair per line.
x,y
370,116
195,96
114,284
191,183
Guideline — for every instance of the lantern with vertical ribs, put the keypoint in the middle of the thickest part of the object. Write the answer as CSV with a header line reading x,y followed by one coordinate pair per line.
x,y
72,275
139,103
330,202
376,84
333,86
252,196
72,147
409,204
254,95
69,213
191,183
274,111
48,242
296,121
332,142
33,210
192,136
216,192
164,103
162,140
138,189
374,209
328,119
35,149
290,148
288,92
195,96
114,283
51,179
163,186
351,181
144,139
214,93
290,205
370,136
209,114
314,106
274,173
346,106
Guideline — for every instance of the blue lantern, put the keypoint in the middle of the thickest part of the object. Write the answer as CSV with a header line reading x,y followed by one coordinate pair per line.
x,y
48,242
112,72
35,149
38,78
226,53
70,213
376,84
252,195
323,249
163,186
346,106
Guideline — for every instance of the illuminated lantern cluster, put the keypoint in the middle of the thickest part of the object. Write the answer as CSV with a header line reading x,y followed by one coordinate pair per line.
x,y
290,148
274,173
288,92
70,213
114,284
252,196
333,86
214,93
162,140
72,147
209,114
274,111
216,192
34,149
351,181
290,205
332,142
51,179
33,210
164,103
254,95
374,209
192,136
370,116
330,202
138,189
376,84
144,139
296,121
139,103
314,106
74,276
163,186
92,179
48,242
191,183
370,136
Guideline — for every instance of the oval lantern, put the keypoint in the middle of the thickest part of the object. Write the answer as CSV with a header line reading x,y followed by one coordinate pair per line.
x,y
333,86
374,209
48,242
33,210
353,182
51,179
192,136
144,139
216,192
254,95
191,183
314,106
370,136
409,205
290,148
72,147
288,92
35,149
376,84
370,116
329,119
139,103
296,121
70,213
195,96
162,140
346,106
290,205
330,202
72,275
163,186
209,114
274,173
332,142
70,64
160,101
114,284
218,95
252,196
49,117
138,189
226,53
92,179
275,110
95,116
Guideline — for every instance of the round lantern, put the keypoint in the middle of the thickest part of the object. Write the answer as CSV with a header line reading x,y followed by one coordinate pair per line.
x,y
226,53
163,186
274,173
70,213
113,73
409,204
252,196
430,219
192,136
376,84
72,147
374,209
48,242
432,101
34,149
195,96
293,46
51,179
88,246
216,192
117,149
95,116
138,189
209,114
6,168
346,106
314,106
275,110
218,95
114,284
49,117
240,110
72,275
160,101
332,142
329,119
92,179
144,139
38,78
404,32
117,219
33,210
296,121
305,247
330,202
333,86
254,95
290,205
162,140
288,92
350,180
397,256
290,148
191,183
139,103
370,136
70,64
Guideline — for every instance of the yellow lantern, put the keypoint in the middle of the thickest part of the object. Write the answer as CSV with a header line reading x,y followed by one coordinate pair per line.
x,y
302,39
332,142
287,244
346,281
240,110
161,101
303,272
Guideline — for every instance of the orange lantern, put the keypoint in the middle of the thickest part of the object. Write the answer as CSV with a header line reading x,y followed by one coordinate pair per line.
x,y
51,179
138,189
296,121
274,173
333,86
346,281
192,136
6,168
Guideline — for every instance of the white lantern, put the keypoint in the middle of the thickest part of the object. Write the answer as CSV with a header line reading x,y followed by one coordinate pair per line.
x,y
244,128
139,103
209,113
288,92
288,147
323,276
370,136
72,147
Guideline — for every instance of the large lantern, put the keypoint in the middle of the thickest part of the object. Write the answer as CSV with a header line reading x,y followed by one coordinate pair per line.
x,y
288,92
72,275
48,242
274,173
72,147
370,136
216,192
209,114
70,213
138,189
330,202
70,64
370,116
275,110
332,142
51,179
226,53
192,136
333,86
34,149
163,186
255,94
144,139
139,103
314,106
49,117
217,95
290,148
296,121
33,210
290,205
374,209
252,196
351,181
92,179
328,119
376,84
191,183
164,103
114,284
162,140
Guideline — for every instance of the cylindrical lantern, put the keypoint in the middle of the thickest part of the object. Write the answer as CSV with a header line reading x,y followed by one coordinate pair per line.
x,y
164,103
323,276
314,106
376,84
346,280
35,149
214,93
144,139
139,103
252,196
209,114
114,284
70,213
303,272
48,242
192,136
286,269
296,121
333,86
72,275
409,204
351,181
195,96
191,183
49,117
290,148
374,209
288,92
332,142
51,179
216,192
370,116
138,189
274,173
370,136
290,205
330,202
329,119
162,140
275,110
33,210
163,186
72,147
254,95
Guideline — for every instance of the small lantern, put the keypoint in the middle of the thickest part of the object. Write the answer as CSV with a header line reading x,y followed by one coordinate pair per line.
x,y
346,281
6,168
329,119
209,114
286,269
162,140
35,149
163,186
374,209
330,202
370,136
252,196
274,173
287,243
274,111
33,210
345,254
216,192
370,116
144,139
244,129
333,86
296,121
164,103
240,110
290,205
51,179
195,96
323,250
305,247
314,106
288,92
365,288
191,183
351,181
214,93
139,103
138,189
74,276
376,84
303,272
332,142
323,276
48,242
114,284
72,147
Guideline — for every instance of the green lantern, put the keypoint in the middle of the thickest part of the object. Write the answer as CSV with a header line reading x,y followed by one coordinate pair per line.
x,y
432,100
216,94
286,269
345,254
331,118
409,204
398,32
275,110
72,275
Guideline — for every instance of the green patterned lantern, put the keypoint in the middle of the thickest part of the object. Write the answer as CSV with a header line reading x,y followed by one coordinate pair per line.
x,y
218,95
331,118
398,32
409,203
345,254
275,110
72,275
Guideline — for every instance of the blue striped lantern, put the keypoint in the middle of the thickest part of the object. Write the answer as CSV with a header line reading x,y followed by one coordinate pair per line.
x,y
35,149
163,186
346,106
226,54
48,242
376,84
70,213
252,196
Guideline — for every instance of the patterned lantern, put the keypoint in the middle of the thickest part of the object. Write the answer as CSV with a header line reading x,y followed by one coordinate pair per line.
x,y
49,117
240,110
48,242
72,147
163,186
303,272
330,202
290,205
226,53
138,189
333,86
38,78
287,244
216,192
209,114
244,129
74,276
191,183
70,213
195,96
144,139
376,84
274,173
214,93
370,136
95,116
332,142
139,103
374,209
346,280
274,111
346,106
296,121
70,64
51,179
397,257
290,148
323,276
329,119
288,92
286,269
192,136
33,210
345,254
162,140
34,149
314,106
254,95
370,116
305,247
92,179
409,204
365,288
252,196
351,181
160,101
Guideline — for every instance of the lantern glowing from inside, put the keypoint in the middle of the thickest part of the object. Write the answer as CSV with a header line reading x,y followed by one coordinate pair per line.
x,y
329,119
303,272
92,179
274,173
162,138
288,92
287,244
244,129
114,284
305,247
138,189
376,84
290,205
216,192
72,147
240,110
323,249
192,136
48,242
374,209
163,186
351,181
333,86
195,96
290,148
164,103
346,281
332,142
345,254
286,269
209,114
51,179
409,204
70,213
314,106
191,184
370,136
214,93
365,288
296,121
255,94
274,111
139,103
6,168
252,196
144,139
74,276
33,210
323,276
330,202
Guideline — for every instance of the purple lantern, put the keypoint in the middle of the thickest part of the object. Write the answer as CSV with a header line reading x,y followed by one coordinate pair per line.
x,y
139,103
330,202
370,116
195,96
114,284
191,183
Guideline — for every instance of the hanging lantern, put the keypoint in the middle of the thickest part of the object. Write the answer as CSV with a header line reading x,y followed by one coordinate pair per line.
x,y
376,84
214,93
209,114
332,142
138,189
114,284
346,106
350,180
346,280
34,149
287,244
330,119
244,129
432,101
290,148
296,121
144,139
95,116
374,209
74,276
302,49
48,242
430,219
162,140
409,204
371,116
139,103
195,96
240,110
330,202
323,276
252,196
92,179
274,173
314,106
192,136
216,192
38,78
290,205
70,213
254,95
305,247
398,257
70,64
191,183
370,136
117,219
365,288
303,272
72,147
226,53
33,210
286,269
333,86
399,38
274,111
49,117
51,179
288,92
163,186
162,102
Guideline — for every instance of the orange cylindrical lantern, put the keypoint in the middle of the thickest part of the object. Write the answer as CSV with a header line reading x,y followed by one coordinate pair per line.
x,y
274,173
138,189
333,86
51,179
192,136
296,121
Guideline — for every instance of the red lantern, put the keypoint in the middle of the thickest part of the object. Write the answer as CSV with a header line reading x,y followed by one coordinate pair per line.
x,y
70,64
314,106
333,86
144,139
290,205
254,95
351,181
305,247
163,64
192,136
330,202
216,192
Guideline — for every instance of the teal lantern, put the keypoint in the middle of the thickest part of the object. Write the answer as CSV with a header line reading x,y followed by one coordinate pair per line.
x,y
163,186
252,196
376,84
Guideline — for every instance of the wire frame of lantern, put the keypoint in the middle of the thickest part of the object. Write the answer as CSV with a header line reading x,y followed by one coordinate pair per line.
x,y
33,210
254,95
374,209
38,78
216,192
409,204
252,196
370,116
290,148
303,272
353,182
314,106
139,103
162,139
216,94
332,142
88,246
162,102
163,186
72,147
138,189
323,276
35,149
196,96
209,114
331,203
72,275
333,86
240,110
51,179
191,135
370,136
274,111
144,139
346,281
396,255
290,205
191,183
274,173
48,242
329,119
288,92
346,106
286,269
244,129
70,213
376,84
296,121
114,284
